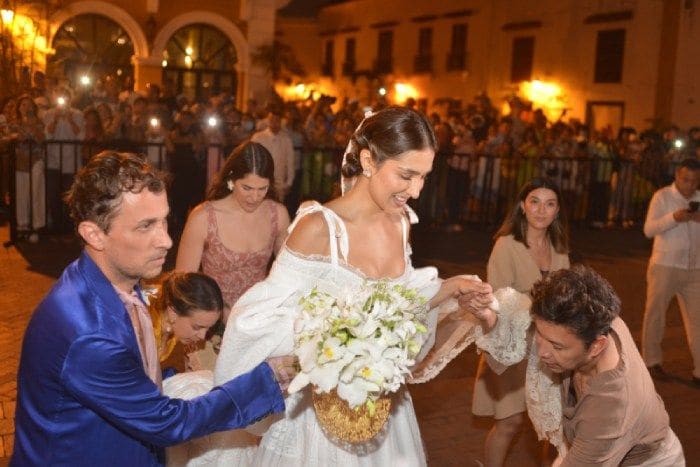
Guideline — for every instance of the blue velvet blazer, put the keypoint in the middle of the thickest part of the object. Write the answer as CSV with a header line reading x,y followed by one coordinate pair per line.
x,y
83,397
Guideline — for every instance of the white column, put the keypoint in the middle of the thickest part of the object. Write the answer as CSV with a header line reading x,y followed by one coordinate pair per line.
x,y
260,16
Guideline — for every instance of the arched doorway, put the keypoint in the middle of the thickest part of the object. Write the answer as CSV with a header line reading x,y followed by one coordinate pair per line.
x,y
200,61
93,45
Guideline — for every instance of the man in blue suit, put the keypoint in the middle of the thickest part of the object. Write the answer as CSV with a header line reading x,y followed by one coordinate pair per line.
x,y
87,390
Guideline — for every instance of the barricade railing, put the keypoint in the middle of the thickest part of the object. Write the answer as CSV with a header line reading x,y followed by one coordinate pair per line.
x,y
462,188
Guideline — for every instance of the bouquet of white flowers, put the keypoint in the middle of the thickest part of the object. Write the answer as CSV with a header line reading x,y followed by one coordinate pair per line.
x,y
361,344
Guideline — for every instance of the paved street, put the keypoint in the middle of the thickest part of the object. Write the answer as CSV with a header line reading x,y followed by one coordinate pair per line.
x,y
452,436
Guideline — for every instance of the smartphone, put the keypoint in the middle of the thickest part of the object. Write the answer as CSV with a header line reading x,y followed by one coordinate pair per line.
x,y
693,206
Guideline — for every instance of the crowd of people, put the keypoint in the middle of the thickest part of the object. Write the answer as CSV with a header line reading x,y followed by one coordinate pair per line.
x,y
483,156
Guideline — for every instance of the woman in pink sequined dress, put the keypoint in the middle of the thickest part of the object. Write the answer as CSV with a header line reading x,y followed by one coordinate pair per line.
x,y
233,235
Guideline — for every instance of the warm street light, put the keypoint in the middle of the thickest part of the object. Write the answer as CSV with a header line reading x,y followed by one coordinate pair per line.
x,y
404,91
6,12
85,80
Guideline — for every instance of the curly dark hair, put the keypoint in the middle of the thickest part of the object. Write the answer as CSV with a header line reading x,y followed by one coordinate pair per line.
x,y
579,299
247,158
96,193
187,291
516,222
386,134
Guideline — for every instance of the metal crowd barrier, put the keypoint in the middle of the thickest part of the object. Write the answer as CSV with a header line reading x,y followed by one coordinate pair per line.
x,y
462,188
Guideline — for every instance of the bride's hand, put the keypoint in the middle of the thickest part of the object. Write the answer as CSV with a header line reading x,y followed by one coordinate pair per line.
x,y
480,305
285,369
474,287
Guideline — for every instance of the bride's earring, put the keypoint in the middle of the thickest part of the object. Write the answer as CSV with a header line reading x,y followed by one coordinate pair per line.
x,y
230,185
367,173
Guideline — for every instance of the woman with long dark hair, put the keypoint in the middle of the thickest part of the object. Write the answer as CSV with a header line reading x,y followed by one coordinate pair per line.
x,y
233,235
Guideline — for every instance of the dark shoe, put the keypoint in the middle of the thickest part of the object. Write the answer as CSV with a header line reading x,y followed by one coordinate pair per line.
x,y
657,372
696,382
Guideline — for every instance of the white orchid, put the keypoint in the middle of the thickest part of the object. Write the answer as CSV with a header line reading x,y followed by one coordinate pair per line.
x,y
360,343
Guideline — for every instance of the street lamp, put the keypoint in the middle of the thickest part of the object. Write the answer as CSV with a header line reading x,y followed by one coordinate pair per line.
x,y
6,12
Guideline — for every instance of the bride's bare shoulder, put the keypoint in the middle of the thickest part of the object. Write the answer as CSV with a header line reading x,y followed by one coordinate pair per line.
x,y
310,235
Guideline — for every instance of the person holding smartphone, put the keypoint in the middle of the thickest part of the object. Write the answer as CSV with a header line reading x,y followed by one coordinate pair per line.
x,y
673,221
65,126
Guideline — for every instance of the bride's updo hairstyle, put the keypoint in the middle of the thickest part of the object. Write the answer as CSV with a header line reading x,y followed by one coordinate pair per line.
x,y
388,134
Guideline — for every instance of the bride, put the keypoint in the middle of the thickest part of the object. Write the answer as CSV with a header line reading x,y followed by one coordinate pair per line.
x,y
361,236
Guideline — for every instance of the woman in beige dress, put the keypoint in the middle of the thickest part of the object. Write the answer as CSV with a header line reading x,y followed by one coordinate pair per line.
x,y
532,241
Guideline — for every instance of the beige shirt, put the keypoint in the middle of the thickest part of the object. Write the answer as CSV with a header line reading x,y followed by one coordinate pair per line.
x,y
512,265
620,419
282,152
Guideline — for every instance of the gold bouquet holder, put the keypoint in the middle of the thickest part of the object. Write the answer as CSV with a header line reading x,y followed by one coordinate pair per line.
x,y
354,426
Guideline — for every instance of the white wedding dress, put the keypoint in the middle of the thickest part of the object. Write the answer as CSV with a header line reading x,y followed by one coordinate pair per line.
x,y
261,326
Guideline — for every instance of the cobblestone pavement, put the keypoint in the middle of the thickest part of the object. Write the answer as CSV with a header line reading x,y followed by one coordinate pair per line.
x,y
452,436
24,279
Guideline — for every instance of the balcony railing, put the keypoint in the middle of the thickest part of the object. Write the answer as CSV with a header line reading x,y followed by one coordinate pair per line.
x,y
423,64
349,68
327,69
384,66
456,62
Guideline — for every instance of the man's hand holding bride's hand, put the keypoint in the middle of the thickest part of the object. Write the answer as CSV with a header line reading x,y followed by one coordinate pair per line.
x,y
473,286
285,369
477,298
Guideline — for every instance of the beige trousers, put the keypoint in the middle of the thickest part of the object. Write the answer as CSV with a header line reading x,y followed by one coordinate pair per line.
x,y
663,283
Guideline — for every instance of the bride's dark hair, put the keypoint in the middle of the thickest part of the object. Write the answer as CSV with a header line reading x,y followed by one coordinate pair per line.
x,y
387,134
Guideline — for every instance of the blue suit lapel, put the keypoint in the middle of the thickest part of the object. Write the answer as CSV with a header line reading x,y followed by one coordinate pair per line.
x,y
108,305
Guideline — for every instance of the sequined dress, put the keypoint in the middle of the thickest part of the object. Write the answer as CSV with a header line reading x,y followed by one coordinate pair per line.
x,y
236,272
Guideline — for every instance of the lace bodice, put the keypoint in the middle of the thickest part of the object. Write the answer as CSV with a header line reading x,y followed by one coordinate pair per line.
x,y
236,272
268,309
340,243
